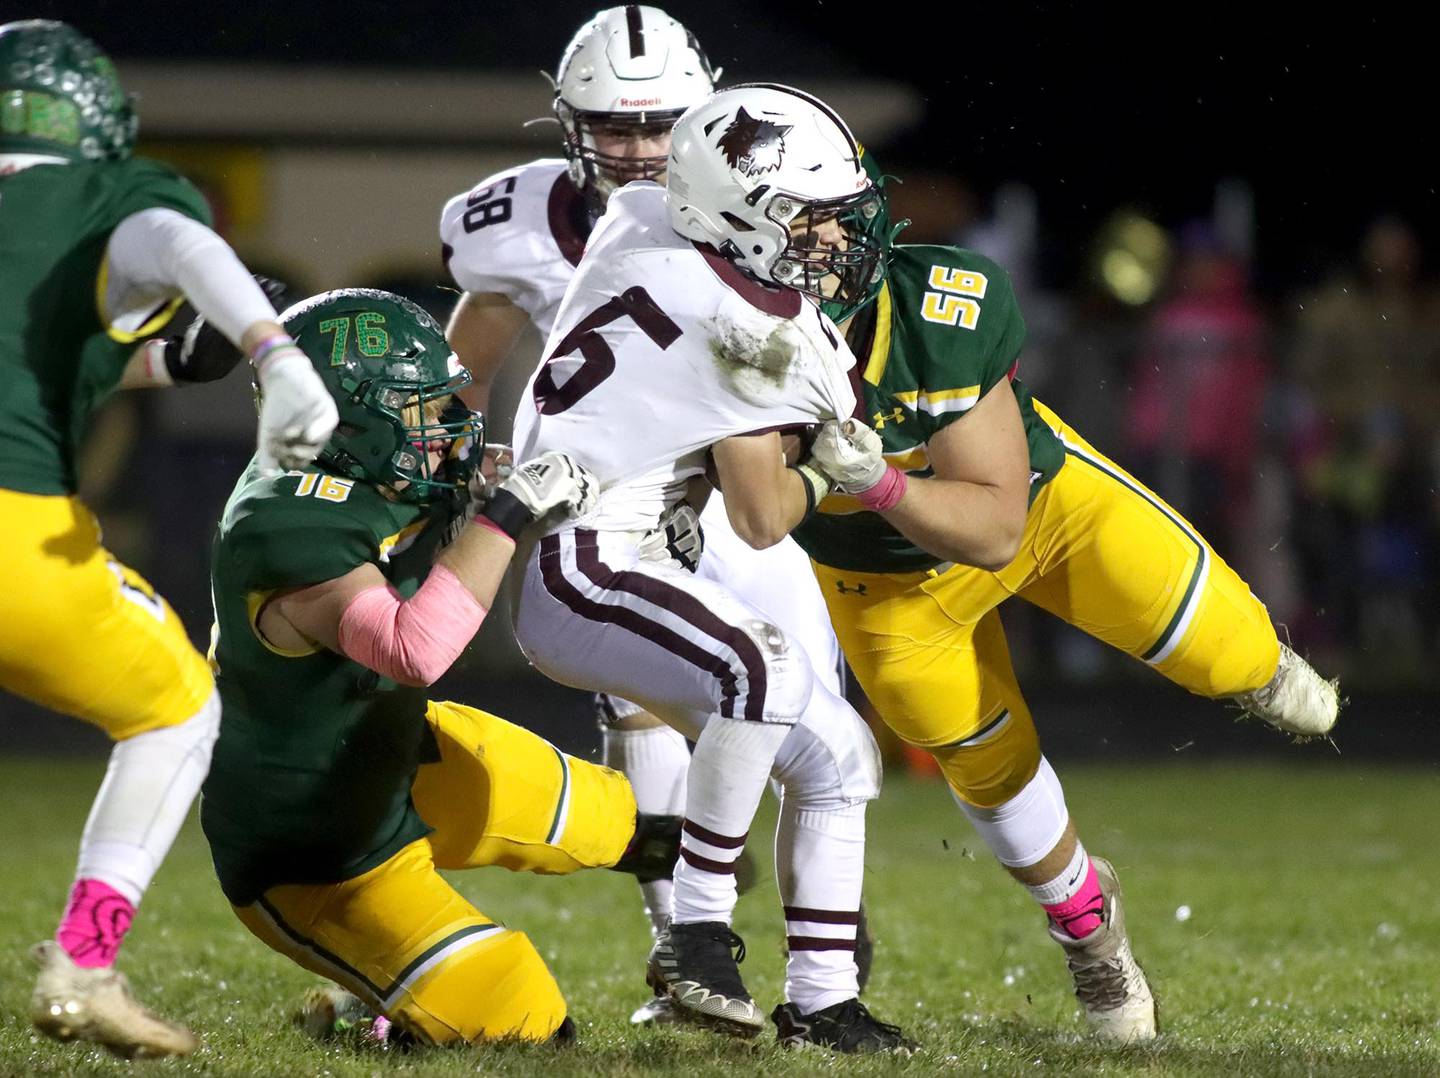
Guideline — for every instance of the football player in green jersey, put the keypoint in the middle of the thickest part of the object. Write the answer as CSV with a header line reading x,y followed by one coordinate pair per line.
x,y
97,250
957,490
342,591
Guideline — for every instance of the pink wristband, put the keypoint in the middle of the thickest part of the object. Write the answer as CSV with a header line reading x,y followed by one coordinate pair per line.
x,y
485,522
885,494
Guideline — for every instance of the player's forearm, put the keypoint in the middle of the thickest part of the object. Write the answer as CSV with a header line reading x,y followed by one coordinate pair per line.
x,y
479,557
763,522
969,523
164,252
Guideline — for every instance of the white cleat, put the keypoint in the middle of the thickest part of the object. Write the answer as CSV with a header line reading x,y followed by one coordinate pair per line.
x,y
1296,700
72,1003
1109,983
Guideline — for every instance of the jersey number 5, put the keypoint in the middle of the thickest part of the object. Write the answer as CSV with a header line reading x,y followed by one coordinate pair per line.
x,y
954,304
599,361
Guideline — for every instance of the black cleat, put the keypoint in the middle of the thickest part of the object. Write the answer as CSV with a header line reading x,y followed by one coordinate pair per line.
x,y
845,1027
697,966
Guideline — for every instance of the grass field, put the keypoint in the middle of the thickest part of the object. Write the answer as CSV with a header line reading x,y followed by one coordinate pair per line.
x,y
1312,944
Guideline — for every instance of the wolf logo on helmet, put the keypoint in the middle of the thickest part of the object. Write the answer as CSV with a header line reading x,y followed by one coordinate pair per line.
x,y
754,146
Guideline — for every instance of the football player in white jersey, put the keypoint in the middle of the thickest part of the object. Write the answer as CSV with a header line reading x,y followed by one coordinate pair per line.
x,y
665,357
512,244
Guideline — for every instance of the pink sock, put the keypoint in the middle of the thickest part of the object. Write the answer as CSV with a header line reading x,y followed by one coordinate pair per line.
x,y
1081,913
96,920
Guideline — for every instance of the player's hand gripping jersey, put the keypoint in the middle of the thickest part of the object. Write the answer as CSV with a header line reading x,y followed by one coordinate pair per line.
x,y
943,331
660,350
520,233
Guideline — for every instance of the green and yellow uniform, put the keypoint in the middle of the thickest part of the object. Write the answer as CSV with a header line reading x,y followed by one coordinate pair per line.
x,y
1099,549
114,653
334,793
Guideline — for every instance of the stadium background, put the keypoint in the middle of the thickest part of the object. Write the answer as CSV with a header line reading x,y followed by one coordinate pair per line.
x,y
1222,234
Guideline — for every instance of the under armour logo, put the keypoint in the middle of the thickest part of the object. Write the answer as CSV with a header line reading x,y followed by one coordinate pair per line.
x,y
897,416
858,589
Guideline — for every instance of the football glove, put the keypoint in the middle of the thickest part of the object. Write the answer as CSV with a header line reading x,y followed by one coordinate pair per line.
x,y
297,413
678,537
547,490
849,453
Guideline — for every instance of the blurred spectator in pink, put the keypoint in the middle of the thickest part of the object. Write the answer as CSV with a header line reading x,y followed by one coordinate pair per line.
x,y
1197,390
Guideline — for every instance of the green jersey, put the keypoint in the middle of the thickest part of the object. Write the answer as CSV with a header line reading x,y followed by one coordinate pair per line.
x,y
58,358
944,330
310,780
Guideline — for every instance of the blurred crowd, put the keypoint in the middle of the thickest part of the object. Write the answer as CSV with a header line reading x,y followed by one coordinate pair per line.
x,y
1295,428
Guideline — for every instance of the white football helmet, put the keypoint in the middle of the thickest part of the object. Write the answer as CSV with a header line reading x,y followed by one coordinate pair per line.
x,y
755,169
631,69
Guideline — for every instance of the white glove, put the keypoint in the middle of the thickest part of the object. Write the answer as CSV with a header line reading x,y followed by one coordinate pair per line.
x,y
678,537
496,465
553,483
849,454
297,413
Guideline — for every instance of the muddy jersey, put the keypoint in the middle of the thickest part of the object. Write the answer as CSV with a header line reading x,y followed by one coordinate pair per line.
x,y
310,779
944,330
662,348
59,356
520,233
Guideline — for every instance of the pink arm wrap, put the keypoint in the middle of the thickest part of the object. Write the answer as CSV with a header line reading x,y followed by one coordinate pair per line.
x,y
412,641
885,494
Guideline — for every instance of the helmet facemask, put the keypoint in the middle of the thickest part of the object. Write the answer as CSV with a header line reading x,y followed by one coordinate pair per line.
x,y
597,173
843,277
427,419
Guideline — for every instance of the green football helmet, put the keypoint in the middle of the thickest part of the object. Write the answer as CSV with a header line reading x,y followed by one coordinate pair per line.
x,y
878,232
59,95
394,377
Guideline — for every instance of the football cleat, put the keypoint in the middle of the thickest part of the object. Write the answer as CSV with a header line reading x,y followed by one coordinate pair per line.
x,y
657,1011
847,1026
72,1003
328,1012
697,966
1109,983
1296,700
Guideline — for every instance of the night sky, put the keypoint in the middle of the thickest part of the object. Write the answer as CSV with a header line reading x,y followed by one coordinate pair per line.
x,y
1328,117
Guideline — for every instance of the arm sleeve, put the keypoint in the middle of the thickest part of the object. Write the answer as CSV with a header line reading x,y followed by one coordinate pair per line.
x,y
159,252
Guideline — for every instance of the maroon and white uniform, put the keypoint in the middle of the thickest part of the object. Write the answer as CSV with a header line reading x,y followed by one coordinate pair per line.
x,y
521,233
661,349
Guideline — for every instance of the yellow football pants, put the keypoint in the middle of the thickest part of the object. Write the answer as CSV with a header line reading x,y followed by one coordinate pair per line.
x,y
1099,551
408,944
84,635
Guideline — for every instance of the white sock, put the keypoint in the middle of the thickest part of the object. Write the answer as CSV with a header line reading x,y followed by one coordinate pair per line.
x,y
820,865
149,786
1026,828
656,761
728,773
1067,884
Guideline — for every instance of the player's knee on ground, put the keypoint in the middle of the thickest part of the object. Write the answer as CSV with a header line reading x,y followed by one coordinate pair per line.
x,y
501,990
501,795
991,767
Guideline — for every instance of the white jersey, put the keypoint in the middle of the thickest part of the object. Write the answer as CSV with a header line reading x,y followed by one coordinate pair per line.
x,y
520,233
661,349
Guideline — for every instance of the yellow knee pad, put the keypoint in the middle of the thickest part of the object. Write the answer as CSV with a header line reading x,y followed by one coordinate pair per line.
x,y
497,990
